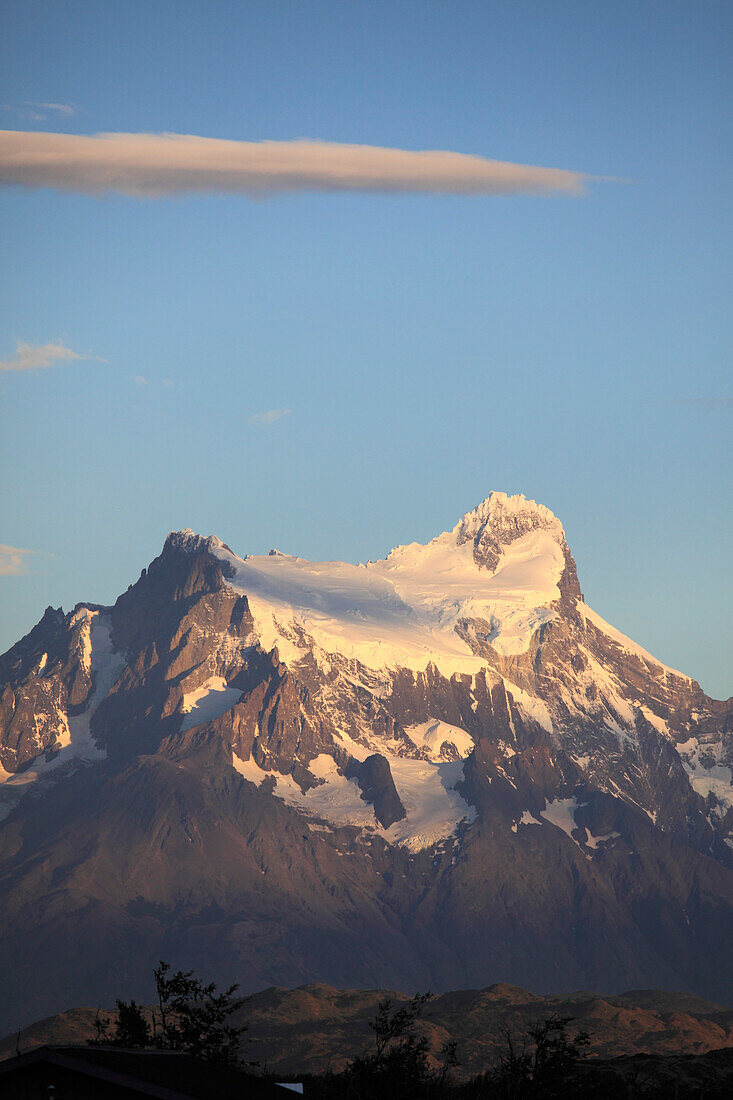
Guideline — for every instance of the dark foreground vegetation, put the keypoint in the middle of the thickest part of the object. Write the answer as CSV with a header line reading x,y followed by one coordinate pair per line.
x,y
190,1018
551,1060
548,1063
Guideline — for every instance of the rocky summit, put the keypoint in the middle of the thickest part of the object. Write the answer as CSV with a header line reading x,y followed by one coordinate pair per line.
x,y
437,770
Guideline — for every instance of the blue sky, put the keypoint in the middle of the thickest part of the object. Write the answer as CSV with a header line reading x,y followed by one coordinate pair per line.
x,y
429,347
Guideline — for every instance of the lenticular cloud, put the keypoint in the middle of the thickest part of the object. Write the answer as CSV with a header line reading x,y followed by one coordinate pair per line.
x,y
155,165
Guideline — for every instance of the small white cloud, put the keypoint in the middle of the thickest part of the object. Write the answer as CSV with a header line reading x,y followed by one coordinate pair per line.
x,y
12,561
140,380
33,356
268,417
169,383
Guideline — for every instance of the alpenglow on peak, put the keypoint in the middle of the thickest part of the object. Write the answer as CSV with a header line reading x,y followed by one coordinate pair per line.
x,y
501,565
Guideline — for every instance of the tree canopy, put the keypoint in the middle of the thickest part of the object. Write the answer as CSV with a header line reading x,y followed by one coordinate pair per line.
x,y
191,1017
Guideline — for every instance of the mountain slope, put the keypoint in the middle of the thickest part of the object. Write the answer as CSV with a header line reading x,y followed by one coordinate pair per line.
x,y
435,770
315,1028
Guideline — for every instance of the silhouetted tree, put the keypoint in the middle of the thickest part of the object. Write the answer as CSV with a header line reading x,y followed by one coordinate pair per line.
x,y
450,1060
192,1018
542,1066
129,1029
400,1064
395,1026
555,1055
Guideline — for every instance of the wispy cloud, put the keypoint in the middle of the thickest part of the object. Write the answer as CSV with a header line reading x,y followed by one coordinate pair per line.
x,y
268,417
64,109
13,561
141,380
33,356
154,165
38,112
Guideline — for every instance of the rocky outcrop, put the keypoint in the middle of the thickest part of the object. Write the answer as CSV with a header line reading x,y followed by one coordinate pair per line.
x,y
377,786
44,680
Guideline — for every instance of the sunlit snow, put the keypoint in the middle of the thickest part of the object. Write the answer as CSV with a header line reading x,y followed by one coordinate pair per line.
x,y
402,611
706,773
430,736
209,701
427,791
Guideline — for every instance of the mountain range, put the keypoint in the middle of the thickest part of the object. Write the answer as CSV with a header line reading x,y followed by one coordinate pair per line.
x,y
437,770
317,1029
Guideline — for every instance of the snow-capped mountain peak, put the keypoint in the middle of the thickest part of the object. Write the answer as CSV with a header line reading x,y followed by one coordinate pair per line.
x,y
500,565
446,745
190,543
501,519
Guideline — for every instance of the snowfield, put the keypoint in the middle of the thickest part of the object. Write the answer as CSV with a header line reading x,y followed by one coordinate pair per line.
x,y
208,702
432,735
402,611
427,791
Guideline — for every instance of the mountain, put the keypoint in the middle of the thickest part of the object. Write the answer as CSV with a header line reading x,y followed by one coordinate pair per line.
x,y
437,770
316,1028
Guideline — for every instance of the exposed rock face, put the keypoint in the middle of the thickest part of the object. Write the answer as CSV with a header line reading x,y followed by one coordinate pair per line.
x,y
435,770
377,786
45,678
